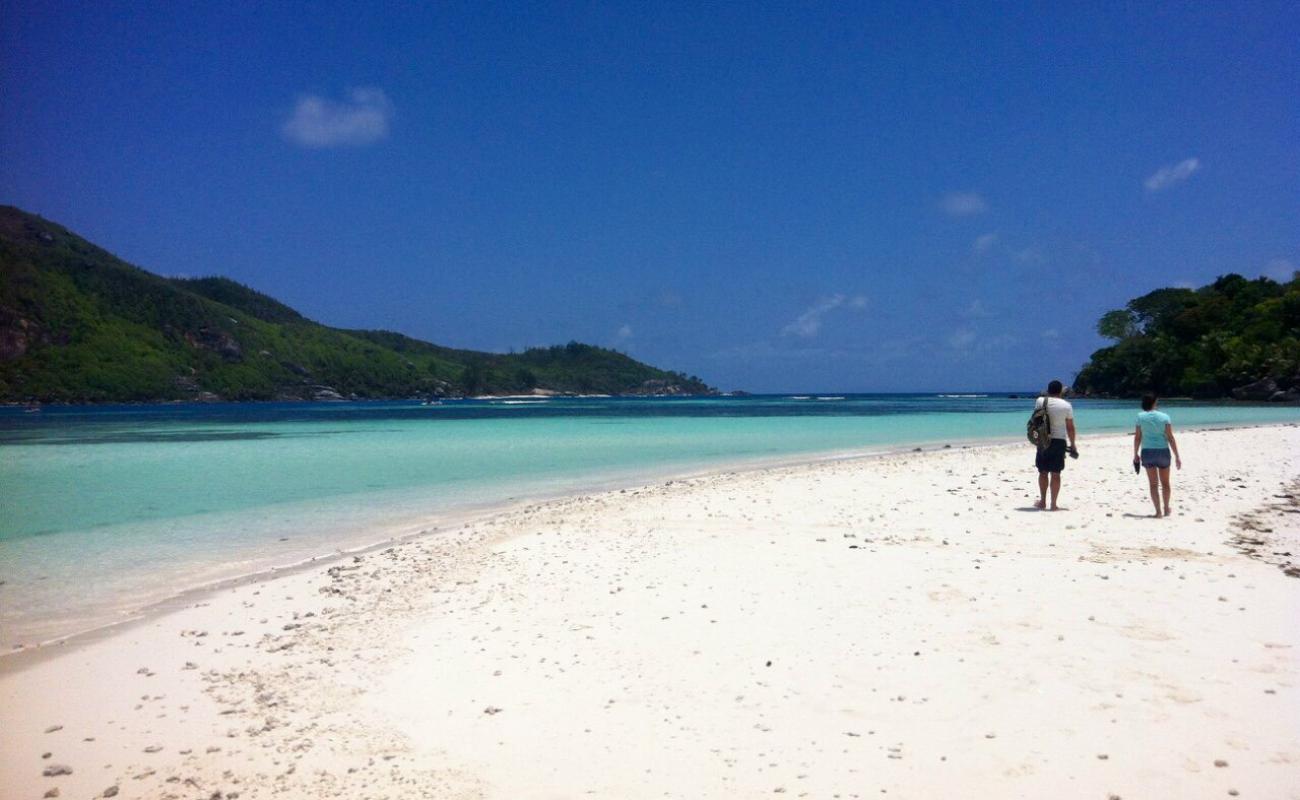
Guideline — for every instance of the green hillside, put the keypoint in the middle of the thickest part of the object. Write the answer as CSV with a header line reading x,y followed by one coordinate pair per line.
x,y
80,325
1233,338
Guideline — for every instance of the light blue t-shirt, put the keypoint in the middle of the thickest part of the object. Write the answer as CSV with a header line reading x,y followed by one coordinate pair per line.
x,y
1153,429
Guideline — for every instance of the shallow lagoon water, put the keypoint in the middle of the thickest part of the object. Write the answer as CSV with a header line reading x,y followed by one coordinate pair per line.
x,y
104,510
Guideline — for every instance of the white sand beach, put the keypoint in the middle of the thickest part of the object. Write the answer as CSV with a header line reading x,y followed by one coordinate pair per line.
x,y
901,626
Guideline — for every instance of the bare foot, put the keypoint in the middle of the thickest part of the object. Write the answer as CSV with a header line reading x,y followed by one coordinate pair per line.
x,y
1157,515
1058,508
1040,504
1167,511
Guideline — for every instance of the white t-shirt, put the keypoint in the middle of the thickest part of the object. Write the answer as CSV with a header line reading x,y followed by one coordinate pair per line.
x,y
1058,411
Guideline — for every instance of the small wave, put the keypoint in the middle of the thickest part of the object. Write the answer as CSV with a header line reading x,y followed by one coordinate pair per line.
x,y
800,397
836,397
521,402
963,395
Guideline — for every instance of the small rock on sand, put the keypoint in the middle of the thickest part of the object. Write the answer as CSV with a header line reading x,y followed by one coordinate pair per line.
x,y
55,770
54,728
110,792
52,792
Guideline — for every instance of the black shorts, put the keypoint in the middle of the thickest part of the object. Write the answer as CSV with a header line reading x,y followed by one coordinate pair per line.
x,y
1051,458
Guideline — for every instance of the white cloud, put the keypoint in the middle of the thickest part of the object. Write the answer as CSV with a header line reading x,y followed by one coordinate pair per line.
x,y
670,299
879,353
362,118
624,333
807,324
1029,255
984,243
966,341
963,204
998,344
976,310
1280,269
1172,174
961,339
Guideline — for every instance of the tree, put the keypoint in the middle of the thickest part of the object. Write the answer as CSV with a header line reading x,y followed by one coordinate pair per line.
x,y
472,378
1118,324
1154,310
1205,342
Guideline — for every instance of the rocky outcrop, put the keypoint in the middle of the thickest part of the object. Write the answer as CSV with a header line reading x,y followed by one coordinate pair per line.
x,y
661,386
17,334
187,383
1259,390
216,340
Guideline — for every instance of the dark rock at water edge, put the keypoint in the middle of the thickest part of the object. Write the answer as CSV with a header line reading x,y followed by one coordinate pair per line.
x,y
1262,389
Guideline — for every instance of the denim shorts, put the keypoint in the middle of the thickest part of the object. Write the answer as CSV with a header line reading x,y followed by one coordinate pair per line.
x,y
1156,458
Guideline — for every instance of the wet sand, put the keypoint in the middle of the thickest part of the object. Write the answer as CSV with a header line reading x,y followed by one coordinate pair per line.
x,y
894,626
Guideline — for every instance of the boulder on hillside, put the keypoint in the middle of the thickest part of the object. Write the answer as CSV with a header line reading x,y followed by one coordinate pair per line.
x,y
17,334
1292,396
1262,389
217,340
327,393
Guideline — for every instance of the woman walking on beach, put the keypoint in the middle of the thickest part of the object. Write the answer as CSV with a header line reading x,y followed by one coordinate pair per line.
x,y
1152,440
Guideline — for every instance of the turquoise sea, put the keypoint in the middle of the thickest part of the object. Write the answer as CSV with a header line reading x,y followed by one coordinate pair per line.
x,y
105,510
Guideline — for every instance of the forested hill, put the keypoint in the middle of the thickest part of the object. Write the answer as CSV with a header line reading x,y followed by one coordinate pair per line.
x,y
80,325
1233,338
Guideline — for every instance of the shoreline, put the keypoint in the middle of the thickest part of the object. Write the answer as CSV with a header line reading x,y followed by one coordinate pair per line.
x,y
22,656
883,623
411,529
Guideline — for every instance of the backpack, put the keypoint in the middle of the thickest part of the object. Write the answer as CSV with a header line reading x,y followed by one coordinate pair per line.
x,y
1039,428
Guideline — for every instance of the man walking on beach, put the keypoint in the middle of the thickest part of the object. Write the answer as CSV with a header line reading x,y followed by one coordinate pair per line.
x,y
1051,459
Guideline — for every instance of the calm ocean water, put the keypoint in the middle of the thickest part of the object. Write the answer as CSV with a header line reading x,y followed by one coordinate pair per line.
x,y
104,510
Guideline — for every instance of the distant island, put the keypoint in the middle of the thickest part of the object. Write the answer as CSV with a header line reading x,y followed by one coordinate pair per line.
x,y
79,325
1235,338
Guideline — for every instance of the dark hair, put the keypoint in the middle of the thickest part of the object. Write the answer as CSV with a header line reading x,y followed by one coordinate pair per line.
x,y
1148,401
1054,388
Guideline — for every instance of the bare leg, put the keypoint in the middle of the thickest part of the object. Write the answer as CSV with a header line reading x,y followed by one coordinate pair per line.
x,y
1153,478
1165,488
1042,491
1056,488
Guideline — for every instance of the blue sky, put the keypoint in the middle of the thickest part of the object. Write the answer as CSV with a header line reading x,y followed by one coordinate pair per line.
x,y
772,196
